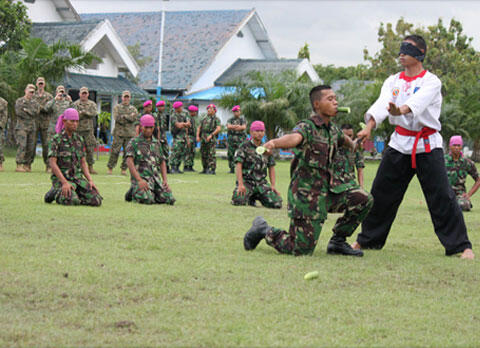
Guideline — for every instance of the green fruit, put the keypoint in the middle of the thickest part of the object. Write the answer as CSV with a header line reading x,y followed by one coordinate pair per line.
x,y
260,150
343,109
311,275
362,125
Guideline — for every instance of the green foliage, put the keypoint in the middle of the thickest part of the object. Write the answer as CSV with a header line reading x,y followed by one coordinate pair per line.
x,y
330,73
15,25
304,52
104,119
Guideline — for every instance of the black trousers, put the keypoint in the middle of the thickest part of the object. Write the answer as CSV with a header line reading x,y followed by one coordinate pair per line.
x,y
393,176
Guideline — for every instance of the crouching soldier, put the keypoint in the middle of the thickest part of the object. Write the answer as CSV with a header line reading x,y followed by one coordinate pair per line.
x,y
146,163
67,160
251,172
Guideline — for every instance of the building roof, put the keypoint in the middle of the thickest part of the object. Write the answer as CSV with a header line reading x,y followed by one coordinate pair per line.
x,y
72,32
103,85
192,39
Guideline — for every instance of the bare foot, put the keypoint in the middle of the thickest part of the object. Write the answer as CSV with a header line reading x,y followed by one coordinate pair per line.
x,y
356,246
124,172
467,254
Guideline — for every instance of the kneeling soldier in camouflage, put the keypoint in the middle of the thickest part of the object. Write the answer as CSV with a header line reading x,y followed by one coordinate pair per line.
x,y
251,172
146,163
67,160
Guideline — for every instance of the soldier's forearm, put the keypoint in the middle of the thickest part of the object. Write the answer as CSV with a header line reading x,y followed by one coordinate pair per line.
x,y
238,173
133,170
474,188
271,175
56,170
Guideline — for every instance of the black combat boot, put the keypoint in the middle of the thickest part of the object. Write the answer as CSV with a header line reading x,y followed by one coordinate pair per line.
x,y
50,195
129,195
256,233
339,245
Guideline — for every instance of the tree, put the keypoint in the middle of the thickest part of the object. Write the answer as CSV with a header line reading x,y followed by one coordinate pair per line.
x,y
15,25
139,59
330,73
304,52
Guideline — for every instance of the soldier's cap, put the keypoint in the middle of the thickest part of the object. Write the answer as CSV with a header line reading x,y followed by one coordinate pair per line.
x,y
124,93
456,140
160,103
147,103
236,108
192,108
257,126
30,86
83,89
212,106
60,89
177,104
41,79
147,121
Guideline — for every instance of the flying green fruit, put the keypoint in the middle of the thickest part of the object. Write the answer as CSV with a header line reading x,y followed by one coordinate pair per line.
x,y
362,125
343,109
311,275
260,150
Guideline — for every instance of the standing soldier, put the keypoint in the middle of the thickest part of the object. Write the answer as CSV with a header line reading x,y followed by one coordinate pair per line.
x,y
3,123
191,133
67,160
236,126
162,128
346,160
179,125
26,109
87,110
125,116
147,167
56,107
43,117
458,167
251,172
207,134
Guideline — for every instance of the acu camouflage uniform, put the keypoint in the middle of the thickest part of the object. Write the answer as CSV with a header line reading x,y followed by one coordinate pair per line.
x,y
87,111
41,122
26,111
69,152
457,172
179,147
125,117
3,124
207,149
147,158
315,189
192,136
254,173
234,139
56,108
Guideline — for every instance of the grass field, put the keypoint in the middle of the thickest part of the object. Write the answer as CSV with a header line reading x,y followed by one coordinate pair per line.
x,y
131,275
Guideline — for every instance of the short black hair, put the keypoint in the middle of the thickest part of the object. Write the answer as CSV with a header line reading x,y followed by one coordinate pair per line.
x,y
419,42
316,93
346,126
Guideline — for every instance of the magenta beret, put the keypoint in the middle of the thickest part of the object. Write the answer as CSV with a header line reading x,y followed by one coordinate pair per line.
x,y
147,121
456,140
147,103
177,104
257,126
160,103
212,106
192,108
236,108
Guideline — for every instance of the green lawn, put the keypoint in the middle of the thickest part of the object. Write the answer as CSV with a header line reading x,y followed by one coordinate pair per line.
x,y
131,275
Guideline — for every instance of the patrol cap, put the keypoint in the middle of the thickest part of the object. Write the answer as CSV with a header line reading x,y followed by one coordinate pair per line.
x,y
160,103
83,89
60,89
177,104
192,108
124,93
147,121
41,79
30,86
147,103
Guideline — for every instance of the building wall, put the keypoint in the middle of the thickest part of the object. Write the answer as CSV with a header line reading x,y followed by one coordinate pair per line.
x,y
244,47
42,11
108,67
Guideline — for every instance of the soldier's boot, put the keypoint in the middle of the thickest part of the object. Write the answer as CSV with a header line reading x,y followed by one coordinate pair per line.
x,y
28,168
177,169
252,202
256,233
1,167
129,195
50,195
204,171
338,245
123,172
109,171
169,171
173,171
20,168
91,170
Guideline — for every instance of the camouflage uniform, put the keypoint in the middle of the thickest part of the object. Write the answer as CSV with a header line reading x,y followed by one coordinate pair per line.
x,y
69,153
161,120
147,158
234,139
207,149
56,108
457,172
26,111
192,136
179,139
87,111
345,162
254,173
125,117
41,122
3,124
316,189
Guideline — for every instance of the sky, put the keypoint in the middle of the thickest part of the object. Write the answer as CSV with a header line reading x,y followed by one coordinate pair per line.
x,y
336,31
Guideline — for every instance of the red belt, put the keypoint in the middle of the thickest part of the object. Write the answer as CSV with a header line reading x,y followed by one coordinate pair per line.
x,y
424,133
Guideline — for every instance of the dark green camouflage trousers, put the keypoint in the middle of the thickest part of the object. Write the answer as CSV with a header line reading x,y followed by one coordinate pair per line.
x,y
26,142
155,194
302,237
117,144
190,153
165,150
257,191
2,144
90,143
232,146
464,203
178,152
82,194
207,151
42,129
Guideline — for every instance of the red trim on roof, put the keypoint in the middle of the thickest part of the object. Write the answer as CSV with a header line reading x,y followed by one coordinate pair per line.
x,y
411,78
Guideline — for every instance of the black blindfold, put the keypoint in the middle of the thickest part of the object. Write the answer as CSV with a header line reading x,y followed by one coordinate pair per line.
x,y
412,51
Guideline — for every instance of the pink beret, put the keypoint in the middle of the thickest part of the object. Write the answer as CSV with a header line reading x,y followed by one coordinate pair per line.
x,y
212,106
456,140
70,114
147,121
192,108
147,103
177,104
236,108
257,126
160,103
